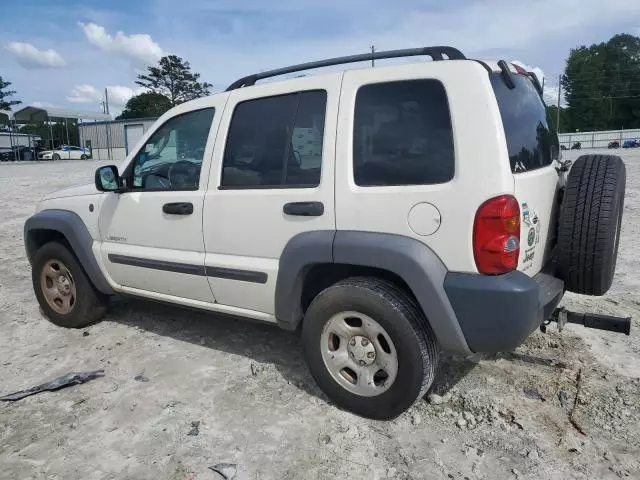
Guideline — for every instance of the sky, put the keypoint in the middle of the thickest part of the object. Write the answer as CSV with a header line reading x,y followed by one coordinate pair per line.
x,y
65,53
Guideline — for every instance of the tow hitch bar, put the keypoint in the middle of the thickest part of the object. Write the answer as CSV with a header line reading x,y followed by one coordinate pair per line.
x,y
562,316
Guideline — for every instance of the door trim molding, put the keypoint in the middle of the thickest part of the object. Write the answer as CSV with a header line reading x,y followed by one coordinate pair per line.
x,y
235,274
190,269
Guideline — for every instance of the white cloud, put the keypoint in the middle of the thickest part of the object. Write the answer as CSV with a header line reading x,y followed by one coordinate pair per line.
x,y
84,94
30,57
550,84
139,48
118,94
43,104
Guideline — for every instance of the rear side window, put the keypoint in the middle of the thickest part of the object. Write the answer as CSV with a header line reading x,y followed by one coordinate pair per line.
x,y
402,134
276,142
531,139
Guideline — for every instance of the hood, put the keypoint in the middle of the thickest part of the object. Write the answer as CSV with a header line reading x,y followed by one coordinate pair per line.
x,y
45,151
76,191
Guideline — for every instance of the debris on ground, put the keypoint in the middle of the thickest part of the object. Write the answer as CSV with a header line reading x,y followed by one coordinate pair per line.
x,y
572,419
195,428
141,378
532,392
227,470
60,382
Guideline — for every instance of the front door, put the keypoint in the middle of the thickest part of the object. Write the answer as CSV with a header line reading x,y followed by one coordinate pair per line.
x,y
277,147
152,233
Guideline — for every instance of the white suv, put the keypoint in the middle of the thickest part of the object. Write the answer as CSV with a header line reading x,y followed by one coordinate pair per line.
x,y
389,213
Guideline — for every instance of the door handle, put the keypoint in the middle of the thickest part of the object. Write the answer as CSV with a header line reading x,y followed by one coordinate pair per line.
x,y
178,208
304,209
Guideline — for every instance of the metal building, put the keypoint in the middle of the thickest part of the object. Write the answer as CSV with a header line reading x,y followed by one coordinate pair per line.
x,y
113,140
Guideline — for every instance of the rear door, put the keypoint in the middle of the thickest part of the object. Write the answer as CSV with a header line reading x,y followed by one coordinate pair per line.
x,y
276,147
533,146
411,145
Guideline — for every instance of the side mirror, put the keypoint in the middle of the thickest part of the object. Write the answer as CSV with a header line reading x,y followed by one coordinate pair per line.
x,y
107,179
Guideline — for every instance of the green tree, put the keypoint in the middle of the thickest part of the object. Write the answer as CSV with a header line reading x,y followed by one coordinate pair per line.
x,y
57,129
552,113
5,103
174,79
147,104
602,85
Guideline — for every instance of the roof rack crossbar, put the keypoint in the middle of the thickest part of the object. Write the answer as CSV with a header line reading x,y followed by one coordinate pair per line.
x,y
436,53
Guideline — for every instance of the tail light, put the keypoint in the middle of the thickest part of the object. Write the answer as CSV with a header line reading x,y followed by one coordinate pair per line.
x,y
496,235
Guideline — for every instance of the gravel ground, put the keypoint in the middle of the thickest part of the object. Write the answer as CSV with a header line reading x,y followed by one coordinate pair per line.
x,y
495,417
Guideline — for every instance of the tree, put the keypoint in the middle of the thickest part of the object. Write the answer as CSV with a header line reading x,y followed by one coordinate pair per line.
x,y
552,114
173,78
5,103
147,104
602,85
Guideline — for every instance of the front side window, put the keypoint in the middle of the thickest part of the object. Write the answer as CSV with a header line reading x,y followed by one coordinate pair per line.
x,y
531,139
171,158
276,142
402,134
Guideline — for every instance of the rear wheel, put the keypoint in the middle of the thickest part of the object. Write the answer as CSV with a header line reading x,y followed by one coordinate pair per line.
x,y
83,157
65,293
56,156
369,347
590,220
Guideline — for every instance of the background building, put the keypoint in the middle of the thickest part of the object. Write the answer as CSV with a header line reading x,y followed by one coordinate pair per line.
x,y
113,140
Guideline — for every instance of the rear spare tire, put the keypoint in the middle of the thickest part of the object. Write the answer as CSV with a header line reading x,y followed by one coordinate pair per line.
x,y
590,220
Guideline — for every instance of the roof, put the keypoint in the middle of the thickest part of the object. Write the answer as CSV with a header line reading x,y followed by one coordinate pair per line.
x,y
40,114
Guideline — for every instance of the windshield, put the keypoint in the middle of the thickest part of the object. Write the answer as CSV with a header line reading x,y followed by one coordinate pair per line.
x,y
531,139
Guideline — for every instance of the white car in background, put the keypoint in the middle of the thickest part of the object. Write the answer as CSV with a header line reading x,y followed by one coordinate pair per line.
x,y
65,152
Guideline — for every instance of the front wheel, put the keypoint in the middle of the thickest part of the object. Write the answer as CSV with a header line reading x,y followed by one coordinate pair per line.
x,y
369,347
83,157
65,293
56,156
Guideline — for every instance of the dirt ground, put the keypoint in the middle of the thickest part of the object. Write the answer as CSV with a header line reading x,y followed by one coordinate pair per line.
x,y
497,417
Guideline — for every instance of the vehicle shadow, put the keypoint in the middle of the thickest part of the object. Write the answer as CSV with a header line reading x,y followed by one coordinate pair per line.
x,y
264,344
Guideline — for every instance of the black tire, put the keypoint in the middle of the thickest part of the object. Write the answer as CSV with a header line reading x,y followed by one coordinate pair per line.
x,y
83,157
590,220
397,312
90,305
55,157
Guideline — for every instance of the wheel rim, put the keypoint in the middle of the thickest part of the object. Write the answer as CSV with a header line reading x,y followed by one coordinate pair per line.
x,y
58,287
359,354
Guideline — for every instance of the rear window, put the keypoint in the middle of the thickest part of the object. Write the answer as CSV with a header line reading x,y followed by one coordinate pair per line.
x,y
402,134
531,139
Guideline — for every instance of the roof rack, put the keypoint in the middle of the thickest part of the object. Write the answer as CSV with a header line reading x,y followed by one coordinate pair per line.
x,y
436,53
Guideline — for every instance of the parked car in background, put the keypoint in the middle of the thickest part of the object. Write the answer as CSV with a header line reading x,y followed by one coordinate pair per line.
x,y
614,144
576,146
19,153
631,143
65,152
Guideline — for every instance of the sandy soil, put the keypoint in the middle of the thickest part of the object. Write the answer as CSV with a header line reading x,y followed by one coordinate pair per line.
x,y
502,417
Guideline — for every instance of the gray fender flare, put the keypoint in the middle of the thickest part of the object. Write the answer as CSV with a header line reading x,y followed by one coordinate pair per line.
x,y
71,226
411,260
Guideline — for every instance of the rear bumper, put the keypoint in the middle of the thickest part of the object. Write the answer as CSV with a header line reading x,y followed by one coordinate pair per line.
x,y
497,313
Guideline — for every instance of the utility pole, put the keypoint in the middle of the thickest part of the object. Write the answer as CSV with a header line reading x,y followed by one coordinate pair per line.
x,y
373,50
106,101
107,125
558,111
